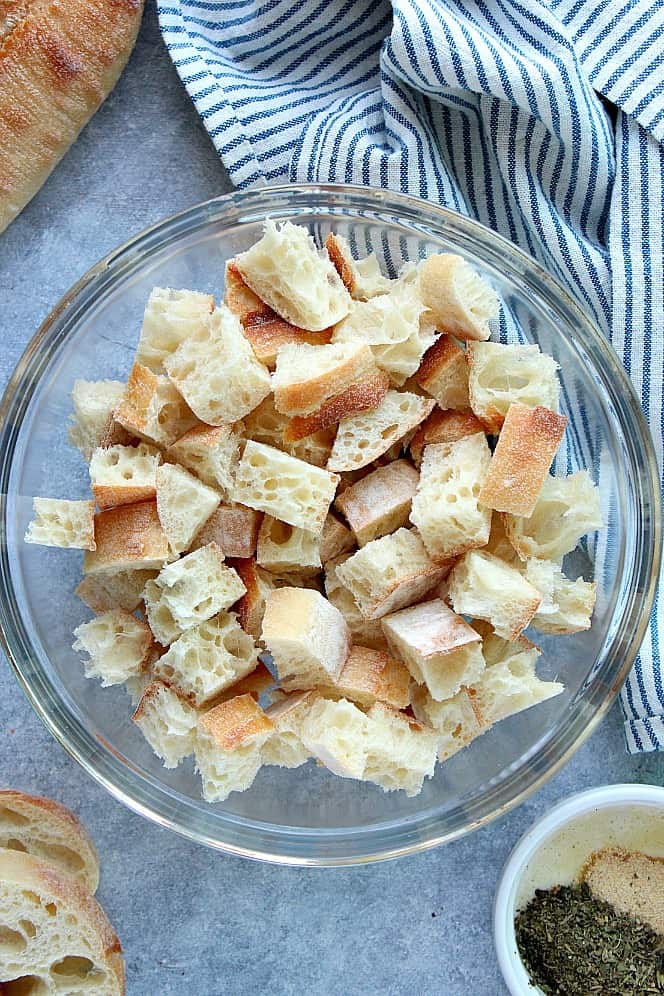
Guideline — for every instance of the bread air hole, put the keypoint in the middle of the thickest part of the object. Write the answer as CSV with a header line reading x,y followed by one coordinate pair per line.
x,y
9,816
12,942
74,967
14,845
27,985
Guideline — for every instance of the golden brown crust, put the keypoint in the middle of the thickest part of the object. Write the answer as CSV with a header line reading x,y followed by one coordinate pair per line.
x,y
443,427
234,528
520,463
232,722
141,388
127,536
444,352
340,263
114,434
238,296
301,396
248,607
113,495
380,502
375,675
359,397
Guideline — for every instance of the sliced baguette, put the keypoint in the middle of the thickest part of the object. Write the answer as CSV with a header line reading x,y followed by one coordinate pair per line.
x,y
153,409
380,502
287,713
122,590
67,524
454,720
211,453
170,317
509,687
229,742
362,278
370,676
282,548
366,632
443,427
94,402
308,376
500,375
401,752
306,635
127,538
184,504
234,528
266,425
461,302
363,438
567,508
168,722
251,607
117,644
443,373
484,587
363,396
122,475
336,733
335,539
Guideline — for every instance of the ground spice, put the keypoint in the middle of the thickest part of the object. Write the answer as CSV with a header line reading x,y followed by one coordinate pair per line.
x,y
573,944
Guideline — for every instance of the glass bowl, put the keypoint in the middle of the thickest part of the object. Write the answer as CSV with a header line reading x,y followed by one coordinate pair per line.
x,y
308,816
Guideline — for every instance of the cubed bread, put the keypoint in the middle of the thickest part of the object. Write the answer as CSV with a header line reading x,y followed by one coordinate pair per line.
x,y
266,425
366,632
336,733
283,548
484,587
129,537
362,438
94,402
122,475
257,683
401,752
251,607
211,453
439,648
362,278
298,281
171,316
566,606
307,376
567,508
443,373
443,427
520,462
189,591
229,741
363,396
285,487
217,371
500,375
446,508
380,502
335,539
389,573
184,504
461,302
153,409
370,676
117,644
499,544
168,723
510,687
208,658
454,720
122,590
234,528
306,635
68,524
114,434
287,713
495,648
239,297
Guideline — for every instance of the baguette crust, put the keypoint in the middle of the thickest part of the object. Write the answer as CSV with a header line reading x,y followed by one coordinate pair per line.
x,y
335,538
363,396
234,721
308,376
443,427
370,676
443,373
127,537
380,502
251,607
461,303
255,684
234,528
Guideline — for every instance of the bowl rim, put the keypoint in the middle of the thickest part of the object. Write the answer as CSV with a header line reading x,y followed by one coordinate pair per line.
x,y
94,757
561,814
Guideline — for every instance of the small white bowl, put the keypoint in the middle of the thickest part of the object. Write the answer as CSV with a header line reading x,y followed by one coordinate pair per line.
x,y
555,849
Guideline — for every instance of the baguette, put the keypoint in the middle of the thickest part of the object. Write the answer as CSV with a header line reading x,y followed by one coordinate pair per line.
x,y
380,502
363,438
184,504
287,713
229,742
443,373
363,396
501,375
509,687
266,425
152,409
117,644
251,607
566,606
121,590
336,733
370,676
211,453
171,316
256,683
283,548
234,528
67,524
94,403
308,376
461,302
443,427
484,587
127,538
401,752
122,475
168,723
454,720
335,538
362,278
567,508
306,635
366,632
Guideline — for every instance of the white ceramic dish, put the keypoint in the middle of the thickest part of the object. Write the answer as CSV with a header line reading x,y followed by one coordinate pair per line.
x,y
556,848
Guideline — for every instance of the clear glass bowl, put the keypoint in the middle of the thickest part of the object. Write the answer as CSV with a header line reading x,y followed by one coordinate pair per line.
x,y
307,816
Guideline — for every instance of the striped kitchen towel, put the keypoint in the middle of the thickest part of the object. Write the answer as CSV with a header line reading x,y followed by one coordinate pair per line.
x,y
491,107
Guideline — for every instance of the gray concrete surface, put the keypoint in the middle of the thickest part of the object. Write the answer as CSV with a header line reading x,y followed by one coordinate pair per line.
x,y
194,921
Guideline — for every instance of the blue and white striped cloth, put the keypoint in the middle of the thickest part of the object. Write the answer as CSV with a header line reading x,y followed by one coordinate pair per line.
x,y
491,107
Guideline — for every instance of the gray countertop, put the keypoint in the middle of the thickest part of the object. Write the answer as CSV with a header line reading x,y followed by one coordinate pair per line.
x,y
191,920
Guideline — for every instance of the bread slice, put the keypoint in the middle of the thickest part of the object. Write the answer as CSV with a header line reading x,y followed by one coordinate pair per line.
x,y
509,687
211,453
307,376
336,733
127,538
370,676
443,373
189,591
366,632
380,502
168,723
94,402
285,270
401,752
567,508
251,607
56,937
454,720
335,539
170,317
439,648
33,825
484,587
122,590
362,278
266,425
122,475
67,524
117,644
284,746
461,302
632,882
284,487
443,427
446,508
306,635
501,375
566,606
520,463
184,504
283,548
363,396
153,409
229,742
362,438
208,658
234,528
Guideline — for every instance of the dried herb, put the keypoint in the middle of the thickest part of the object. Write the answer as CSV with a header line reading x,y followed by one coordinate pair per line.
x,y
573,944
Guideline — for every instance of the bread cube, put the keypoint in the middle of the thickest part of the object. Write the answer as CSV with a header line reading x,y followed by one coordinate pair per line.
x,y
335,539
229,740
495,648
94,402
283,548
362,396
443,373
297,281
129,537
501,375
184,504
389,573
362,278
117,644
483,586
122,475
510,687
211,453
362,438
307,376
287,713
499,544
153,409
234,528
567,508
266,425
122,590
438,647
67,524
284,487
401,752
251,607
461,302
171,316
305,634
380,502
454,720
239,297
217,372
190,591
168,723
336,732
520,462
443,427
566,606
208,658
446,508
366,632
370,676
257,683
